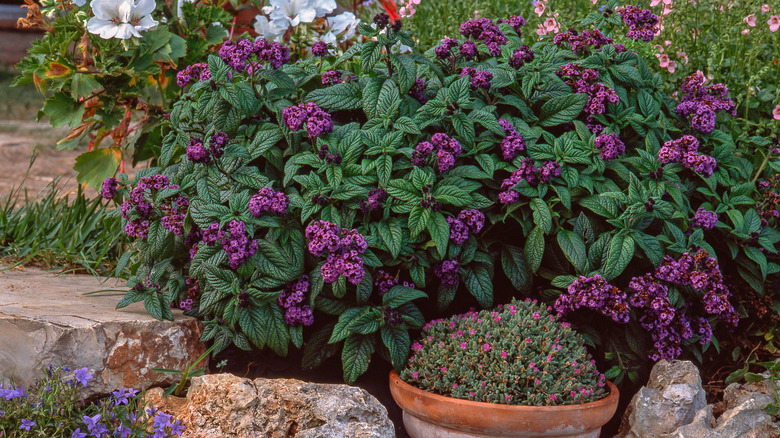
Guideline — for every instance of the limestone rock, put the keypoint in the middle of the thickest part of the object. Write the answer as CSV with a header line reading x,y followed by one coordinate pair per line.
x,y
224,405
46,319
671,399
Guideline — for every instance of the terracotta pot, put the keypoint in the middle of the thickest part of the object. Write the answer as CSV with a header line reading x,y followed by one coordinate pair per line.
x,y
428,415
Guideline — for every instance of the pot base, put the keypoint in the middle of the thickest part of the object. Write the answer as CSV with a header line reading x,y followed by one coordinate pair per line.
x,y
419,428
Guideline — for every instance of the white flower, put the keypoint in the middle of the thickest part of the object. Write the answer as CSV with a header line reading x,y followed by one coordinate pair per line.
x,y
324,7
80,3
345,23
121,18
294,12
272,30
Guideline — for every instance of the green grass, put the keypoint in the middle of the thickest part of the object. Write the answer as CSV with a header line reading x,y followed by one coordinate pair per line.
x,y
73,233
18,103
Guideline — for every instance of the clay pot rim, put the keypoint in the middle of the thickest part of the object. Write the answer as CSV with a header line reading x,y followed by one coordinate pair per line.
x,y
612,398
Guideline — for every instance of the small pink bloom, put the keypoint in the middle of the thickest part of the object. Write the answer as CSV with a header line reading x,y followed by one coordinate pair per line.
x,y
663,60
667,43
528,341
745,31
482,384
532,364
509,397
443,369
672,65
776,112
549,358
654,3
463,345
774,23
536,315
765,8
498,318
667,10
416,346
552,397
415,374
486,347
454,385
683,57
471,394
551,25
539,9
503,355
660,49
750,20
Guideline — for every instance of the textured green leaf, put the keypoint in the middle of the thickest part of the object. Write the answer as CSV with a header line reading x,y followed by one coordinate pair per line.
x,y
398,295
534,248
516,268
440,232
398,342
343,96
95,166
562,109
479,284
574,249
356,356
542,215
620,252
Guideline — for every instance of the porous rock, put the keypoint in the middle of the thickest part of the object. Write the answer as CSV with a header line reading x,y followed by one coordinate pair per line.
x,y
224,405
47,320
672,398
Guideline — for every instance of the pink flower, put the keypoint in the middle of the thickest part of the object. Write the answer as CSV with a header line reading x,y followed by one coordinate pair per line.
x,y
683,56
539,9
745,31
536,315
750,20
503,355
463,345
471,394
765,8
509,397
532,364
416,346
774,23
776,112
486,347
654,3
552,397
672,65
551,25
660,49
443,369
663,60
415,374
549,358
454,385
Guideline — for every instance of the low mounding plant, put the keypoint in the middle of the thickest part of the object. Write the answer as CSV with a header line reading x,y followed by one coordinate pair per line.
x,y
518,354
52,408
311,203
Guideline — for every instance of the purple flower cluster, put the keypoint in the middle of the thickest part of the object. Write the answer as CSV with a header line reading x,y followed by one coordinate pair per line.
x,y
705,219
447,151
320,48
267,200
197,152
11,393
290,300
513,143
447,272
331,77
596,294
236,54
642,23
521,56
580,42
444,50
583,80
318,122
485,30
468,221
685,150
665,324
516,22
194,72
236,242
479,78
345,248
469,50
702,103
610,146
418,91
376,198
769,203
530,173
173,209
384,281
108,188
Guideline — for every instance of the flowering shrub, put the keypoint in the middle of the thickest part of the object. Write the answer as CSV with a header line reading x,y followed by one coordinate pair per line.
x,y
51,407
289,209
518,354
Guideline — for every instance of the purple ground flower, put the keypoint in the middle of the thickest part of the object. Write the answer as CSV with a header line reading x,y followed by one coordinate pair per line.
x,y
109,188
610,146
705,219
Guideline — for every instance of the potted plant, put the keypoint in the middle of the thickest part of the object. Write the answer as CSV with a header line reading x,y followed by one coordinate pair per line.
x,y
516,371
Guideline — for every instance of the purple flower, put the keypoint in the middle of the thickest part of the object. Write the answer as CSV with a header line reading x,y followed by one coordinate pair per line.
x,y
417,91
642,23
78,434
701,103
344,248
447,272
376,198
444,49
594,293
267,200
521,56
27,424
108,188
176,428
485,30
331,77
194,72
83,376
320,48
459,232
94,426
580,42
705,219
513,143
610,146
294,116
468,50
479,78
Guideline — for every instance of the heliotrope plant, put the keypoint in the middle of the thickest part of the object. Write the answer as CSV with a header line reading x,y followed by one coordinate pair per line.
x,y
293,205
517,354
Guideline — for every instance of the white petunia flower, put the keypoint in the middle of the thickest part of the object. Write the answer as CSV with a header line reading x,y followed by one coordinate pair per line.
x,y
345,23
272,30
80,3
121,18
294,12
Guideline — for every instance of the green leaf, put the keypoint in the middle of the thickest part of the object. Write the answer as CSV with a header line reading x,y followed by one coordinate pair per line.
x,y
62,111
620,252
542,215
95,166
341,330
392,235
418,220
317,349
398,342
440,232
356,356
534,248
562,109
574,249
516,268
343,96
479,284
398,295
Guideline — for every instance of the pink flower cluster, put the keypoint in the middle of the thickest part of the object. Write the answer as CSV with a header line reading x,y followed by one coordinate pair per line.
x,y
685,150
